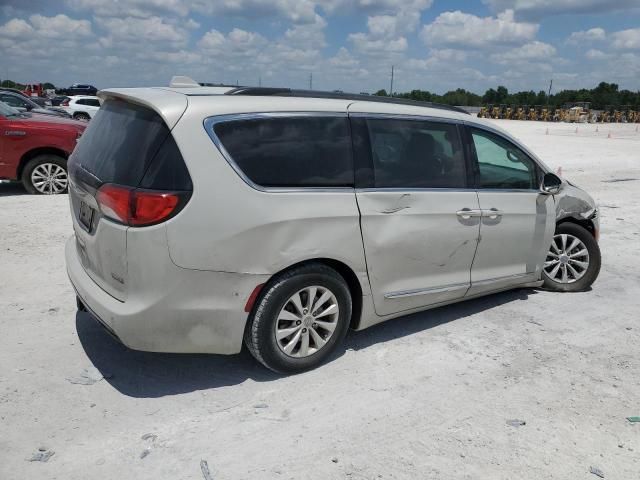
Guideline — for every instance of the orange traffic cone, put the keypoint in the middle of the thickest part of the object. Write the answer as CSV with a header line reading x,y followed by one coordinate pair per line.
x,y
609,136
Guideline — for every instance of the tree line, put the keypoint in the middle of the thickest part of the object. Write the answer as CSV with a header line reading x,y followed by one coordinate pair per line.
x,y
600,97
20,86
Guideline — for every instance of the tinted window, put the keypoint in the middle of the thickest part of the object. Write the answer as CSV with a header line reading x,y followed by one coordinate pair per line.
x,y
501,164
13,101
93,103
291,151
123,141
416,154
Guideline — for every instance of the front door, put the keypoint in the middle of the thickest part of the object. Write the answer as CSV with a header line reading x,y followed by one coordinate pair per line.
x,y
419,221
517,219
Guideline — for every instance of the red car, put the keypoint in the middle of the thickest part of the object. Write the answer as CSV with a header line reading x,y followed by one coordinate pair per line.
x,y
34,149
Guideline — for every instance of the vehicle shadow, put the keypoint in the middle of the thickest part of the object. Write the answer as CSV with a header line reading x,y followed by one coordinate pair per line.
x,y
10,189
152,375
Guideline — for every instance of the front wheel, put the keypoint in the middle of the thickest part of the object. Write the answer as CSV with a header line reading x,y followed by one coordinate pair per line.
x,y
82,116
300,318
573,260
45,175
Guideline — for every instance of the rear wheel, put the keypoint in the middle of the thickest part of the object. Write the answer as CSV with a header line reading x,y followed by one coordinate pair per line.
x,y
573,260
45,175
300,318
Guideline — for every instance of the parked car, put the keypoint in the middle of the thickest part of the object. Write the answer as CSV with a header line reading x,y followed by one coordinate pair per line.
x,y
34,149
21,102
202,220
81,107
58,99
42,102
80,89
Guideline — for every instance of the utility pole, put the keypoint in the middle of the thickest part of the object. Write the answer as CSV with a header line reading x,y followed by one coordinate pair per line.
x,y
391,88
550,85
311,81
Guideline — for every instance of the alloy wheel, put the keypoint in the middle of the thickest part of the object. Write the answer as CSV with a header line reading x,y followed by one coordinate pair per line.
x,y
307,321
567,259
49,179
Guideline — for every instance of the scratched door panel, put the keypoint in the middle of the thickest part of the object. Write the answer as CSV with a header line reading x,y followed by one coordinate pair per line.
x,y
418,249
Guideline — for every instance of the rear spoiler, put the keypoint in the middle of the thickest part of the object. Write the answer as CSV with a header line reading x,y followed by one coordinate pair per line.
x,y
169,105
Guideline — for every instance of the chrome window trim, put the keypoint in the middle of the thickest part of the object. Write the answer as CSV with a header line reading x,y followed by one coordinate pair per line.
x,y
413,189
210,122
404,116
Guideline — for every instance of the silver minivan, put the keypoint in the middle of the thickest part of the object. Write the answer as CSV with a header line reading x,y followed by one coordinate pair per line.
x,y
205,217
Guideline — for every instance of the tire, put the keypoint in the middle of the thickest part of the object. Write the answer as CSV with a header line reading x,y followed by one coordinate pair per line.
x,y
574,260
45,175
82,116
275,312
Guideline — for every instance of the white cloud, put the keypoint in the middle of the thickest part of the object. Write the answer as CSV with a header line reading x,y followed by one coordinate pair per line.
x,y
16,28
370,45
594,54
297,11
152,29
526,53
467,30
344,59
543,8
237,42
131,8
626,39
587,36
386,32
308,35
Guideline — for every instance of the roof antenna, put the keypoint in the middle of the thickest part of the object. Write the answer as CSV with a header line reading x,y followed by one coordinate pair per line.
x,y
180,81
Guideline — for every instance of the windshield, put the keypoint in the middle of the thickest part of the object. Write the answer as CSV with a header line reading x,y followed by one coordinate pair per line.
x,y
7,111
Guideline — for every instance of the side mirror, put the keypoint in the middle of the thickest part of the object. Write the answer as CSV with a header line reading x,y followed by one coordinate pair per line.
x,y
551,184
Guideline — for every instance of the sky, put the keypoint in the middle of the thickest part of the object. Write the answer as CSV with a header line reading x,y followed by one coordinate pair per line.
x,y
435,45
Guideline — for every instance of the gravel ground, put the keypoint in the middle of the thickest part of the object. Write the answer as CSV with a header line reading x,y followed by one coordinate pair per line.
x,y
437,395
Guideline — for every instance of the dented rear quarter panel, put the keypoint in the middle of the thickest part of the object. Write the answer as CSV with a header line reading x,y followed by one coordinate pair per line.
x,y
233,227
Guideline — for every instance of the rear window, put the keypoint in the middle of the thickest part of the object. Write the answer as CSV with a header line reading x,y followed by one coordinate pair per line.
x,y
291,151
130,145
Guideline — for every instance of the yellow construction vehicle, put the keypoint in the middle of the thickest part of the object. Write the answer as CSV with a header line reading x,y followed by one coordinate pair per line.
x,y
579,112
508,113
483,112
617,116
545,114
605,116
495,112
520,114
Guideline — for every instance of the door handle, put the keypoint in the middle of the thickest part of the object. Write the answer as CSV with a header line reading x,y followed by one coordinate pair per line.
x,y
492,213
467,213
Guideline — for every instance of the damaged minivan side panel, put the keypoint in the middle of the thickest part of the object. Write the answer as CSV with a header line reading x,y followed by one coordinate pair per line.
x,y
262,230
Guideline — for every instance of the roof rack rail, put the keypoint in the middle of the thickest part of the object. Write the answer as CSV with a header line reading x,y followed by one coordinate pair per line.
x,y
288,92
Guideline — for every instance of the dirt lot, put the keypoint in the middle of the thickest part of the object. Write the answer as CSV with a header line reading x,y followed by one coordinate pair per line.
x,y
425,396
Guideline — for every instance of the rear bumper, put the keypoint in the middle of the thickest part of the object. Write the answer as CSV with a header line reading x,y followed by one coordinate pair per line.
x,y
181,311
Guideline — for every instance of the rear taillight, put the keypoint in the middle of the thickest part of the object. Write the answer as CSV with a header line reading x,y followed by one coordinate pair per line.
x,y
136,207
65,103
